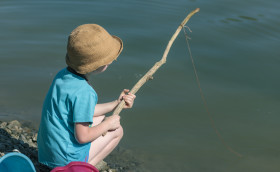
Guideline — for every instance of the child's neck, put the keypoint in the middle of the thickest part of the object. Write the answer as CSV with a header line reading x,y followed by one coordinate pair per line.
x,y
85,76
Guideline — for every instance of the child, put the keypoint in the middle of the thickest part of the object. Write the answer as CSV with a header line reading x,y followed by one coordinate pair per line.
x,y
70,106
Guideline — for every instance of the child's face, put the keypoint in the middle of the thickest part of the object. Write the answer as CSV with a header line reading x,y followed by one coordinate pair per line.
x,y
101,69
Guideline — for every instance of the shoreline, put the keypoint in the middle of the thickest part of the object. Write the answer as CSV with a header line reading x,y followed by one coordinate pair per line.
x,y
15,137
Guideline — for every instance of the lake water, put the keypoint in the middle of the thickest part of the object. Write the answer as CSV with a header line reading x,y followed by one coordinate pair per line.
x,y
235,45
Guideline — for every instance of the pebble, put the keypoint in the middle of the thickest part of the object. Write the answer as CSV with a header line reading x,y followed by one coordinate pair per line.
x,y
102,166
13,124
3,124
34,137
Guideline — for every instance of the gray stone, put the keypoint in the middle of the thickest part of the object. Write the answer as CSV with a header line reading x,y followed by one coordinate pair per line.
x,y
102,165
2,146
34,153
14,141
22,137
34,138
26,130
29,141
3,124
12,124
25,145
16,148
8,130
32,144
15,136
9,142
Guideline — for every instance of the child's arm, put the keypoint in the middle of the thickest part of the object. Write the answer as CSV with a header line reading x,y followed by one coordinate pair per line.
x,y
85,134
101,109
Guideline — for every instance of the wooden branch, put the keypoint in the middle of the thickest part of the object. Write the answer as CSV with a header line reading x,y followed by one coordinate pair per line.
x,y
149,74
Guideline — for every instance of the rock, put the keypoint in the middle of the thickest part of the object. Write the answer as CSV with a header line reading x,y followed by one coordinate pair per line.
x,y
32,144
14,135
34,138
34,154
25,145
16,148
8,131
12,124
26,130
16,128
22,137
9,142
14,141
2,146
3,124
102,165
29,141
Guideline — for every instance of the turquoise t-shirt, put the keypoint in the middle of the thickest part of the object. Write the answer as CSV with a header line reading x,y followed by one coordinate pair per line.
x,y
70,99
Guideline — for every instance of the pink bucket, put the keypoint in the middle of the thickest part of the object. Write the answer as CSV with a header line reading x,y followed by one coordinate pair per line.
x,y
76,166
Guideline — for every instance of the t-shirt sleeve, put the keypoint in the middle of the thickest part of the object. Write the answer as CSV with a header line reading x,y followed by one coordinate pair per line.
x,y
84,105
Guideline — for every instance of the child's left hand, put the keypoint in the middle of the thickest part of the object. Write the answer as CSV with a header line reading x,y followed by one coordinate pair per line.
x,y
128,98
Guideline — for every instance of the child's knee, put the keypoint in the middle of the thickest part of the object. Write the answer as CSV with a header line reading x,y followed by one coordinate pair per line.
x,y
119,132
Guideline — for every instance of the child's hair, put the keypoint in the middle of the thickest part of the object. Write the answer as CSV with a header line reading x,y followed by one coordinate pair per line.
x,y
90,46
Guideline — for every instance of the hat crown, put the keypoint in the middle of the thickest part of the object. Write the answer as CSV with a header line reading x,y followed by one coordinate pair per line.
x,y
90,46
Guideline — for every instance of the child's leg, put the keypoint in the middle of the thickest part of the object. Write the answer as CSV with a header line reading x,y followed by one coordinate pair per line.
x,y
104,145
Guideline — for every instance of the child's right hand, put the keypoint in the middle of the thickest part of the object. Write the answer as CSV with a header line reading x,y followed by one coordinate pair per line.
x,y
128,98
113,122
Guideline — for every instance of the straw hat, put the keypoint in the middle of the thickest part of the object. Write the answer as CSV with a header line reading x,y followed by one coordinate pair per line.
x,y
90,46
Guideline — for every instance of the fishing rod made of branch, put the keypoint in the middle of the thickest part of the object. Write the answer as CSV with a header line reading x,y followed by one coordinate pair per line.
x,y
149,75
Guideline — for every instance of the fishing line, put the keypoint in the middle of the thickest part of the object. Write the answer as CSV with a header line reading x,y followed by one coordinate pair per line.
x,y
204,100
